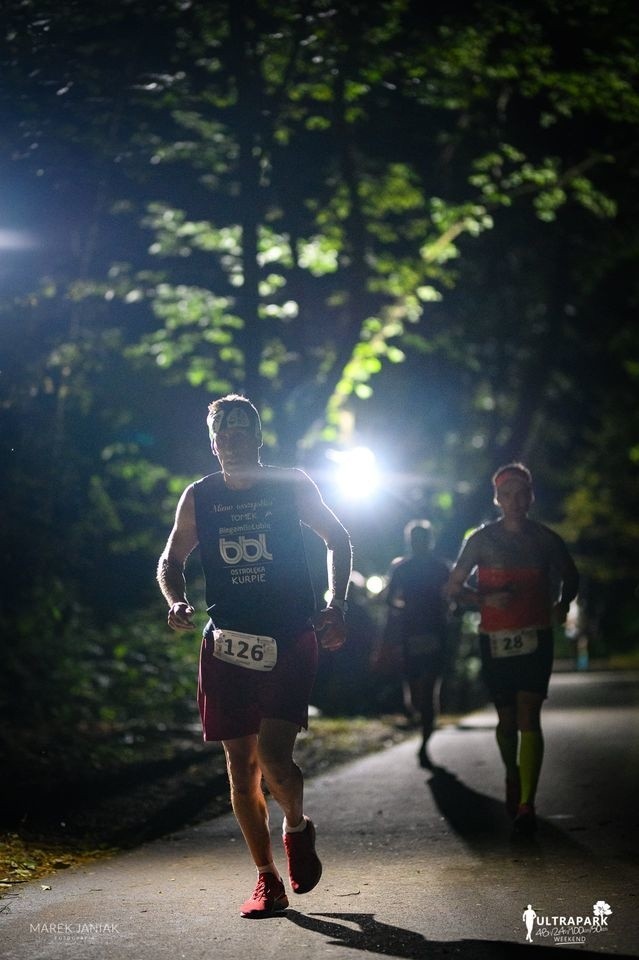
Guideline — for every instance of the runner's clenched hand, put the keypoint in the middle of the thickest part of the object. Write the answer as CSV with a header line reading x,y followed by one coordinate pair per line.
x,y
180,615
330,628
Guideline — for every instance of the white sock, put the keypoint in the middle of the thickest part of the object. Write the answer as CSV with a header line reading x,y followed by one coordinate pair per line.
x,y
269,868
298,829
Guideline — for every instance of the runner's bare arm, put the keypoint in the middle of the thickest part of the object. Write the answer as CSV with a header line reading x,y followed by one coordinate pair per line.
x,y
456,589
569,587
182,541
314,513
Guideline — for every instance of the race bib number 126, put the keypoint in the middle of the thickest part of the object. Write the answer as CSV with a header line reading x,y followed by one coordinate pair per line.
x,y
245,649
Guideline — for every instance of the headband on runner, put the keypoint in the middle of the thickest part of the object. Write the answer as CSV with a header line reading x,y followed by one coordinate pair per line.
x,y
511,475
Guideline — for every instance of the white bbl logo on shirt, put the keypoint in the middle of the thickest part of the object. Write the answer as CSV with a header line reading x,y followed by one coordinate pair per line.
x,y
244,549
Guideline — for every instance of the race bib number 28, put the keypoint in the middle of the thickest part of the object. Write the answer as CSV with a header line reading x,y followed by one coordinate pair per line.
x,y
245,649
513,643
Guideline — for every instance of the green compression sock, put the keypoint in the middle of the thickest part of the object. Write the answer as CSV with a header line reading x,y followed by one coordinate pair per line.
x,y
508,749
531,754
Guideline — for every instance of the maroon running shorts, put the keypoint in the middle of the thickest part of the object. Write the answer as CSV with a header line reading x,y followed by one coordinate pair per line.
x,y
234,700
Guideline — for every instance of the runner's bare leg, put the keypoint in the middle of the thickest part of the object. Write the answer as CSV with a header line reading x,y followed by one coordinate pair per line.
x,y
283,777
247,798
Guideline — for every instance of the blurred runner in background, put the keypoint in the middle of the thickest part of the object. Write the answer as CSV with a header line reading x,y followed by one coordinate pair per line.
x,y
417,618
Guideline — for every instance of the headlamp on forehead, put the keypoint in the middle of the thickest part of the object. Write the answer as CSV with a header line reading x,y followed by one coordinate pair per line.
x,y
238,417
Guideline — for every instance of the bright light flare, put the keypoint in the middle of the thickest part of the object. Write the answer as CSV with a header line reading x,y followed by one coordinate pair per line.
x,y
356,472
375,584
17,240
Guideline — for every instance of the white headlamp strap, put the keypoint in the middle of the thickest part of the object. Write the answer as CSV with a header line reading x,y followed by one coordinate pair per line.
x,y
237,416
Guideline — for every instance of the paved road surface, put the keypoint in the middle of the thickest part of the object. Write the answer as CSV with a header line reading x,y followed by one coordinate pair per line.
x,y
417,864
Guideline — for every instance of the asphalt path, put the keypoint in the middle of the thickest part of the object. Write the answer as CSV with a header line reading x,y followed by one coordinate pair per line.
x,y
417,864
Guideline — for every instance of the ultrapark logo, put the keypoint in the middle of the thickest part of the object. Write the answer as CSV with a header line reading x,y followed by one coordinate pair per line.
x,y
566,929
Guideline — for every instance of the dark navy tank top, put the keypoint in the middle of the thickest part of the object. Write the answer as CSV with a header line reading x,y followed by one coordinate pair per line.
x,y
253,556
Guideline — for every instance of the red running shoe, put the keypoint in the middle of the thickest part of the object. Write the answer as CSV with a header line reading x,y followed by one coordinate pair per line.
x,y
304,867
269,897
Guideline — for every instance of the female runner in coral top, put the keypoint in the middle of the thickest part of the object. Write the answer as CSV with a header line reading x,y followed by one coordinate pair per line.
x,y
525,581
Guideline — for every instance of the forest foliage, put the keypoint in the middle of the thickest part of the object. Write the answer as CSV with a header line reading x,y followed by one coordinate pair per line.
x,y
385,223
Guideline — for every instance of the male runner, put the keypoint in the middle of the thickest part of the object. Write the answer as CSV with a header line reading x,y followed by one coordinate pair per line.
x,y
418,610
526,580
259,651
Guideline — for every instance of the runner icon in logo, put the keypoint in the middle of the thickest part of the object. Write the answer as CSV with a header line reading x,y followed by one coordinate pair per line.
x,y
528,917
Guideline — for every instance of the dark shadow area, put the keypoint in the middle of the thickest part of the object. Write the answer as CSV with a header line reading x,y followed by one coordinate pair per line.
x,y
376,937
482,821
473,816
119,807
89,786
64,803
